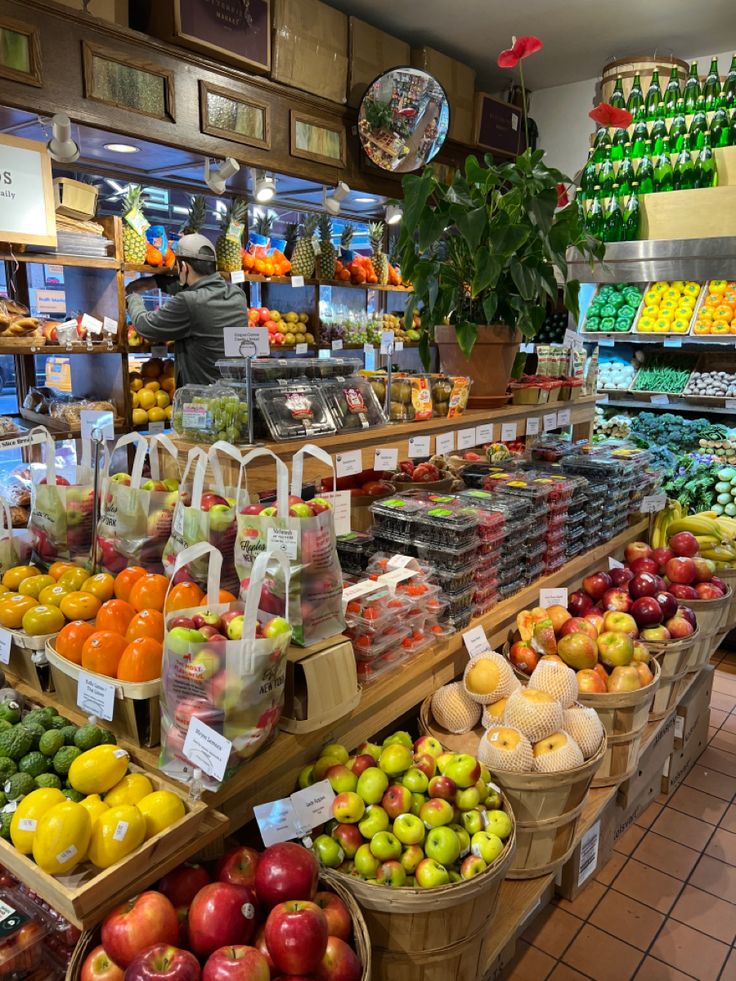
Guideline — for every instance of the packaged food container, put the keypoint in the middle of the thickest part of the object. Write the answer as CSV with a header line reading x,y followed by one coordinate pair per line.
x,y
474,474
484,600
510,588
450,558
555,557
490,524
396,516
440,631
331,367
529,393
550,449
382,562
461,620
459,600
450,394
23,932
535,570
369,672
373,612
355,550
207,413
353,404
454,579
418,595
368,646
442,525
418,641
295,412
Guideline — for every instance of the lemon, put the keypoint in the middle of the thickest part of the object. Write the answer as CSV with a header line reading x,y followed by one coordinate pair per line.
x,y
160,809
117,832
95,806
25,817
132,788
62,838
98,770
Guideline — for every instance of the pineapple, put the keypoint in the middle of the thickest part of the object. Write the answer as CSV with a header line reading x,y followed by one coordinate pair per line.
x,y
303,258
378,256
195,215
228,254
292,229
134,244
264,224
347,237
327,253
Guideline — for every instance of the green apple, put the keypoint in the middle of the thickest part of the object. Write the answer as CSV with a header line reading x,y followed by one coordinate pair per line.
x,y
372,749
391,873
306,776
430,874
372,785
409,829
498,823
341,779
488,846
417,802
463,769
395,759
437,812
485,773
428,744
463,838
415,781
411,857
336,750
322,765
328,851
472,865
494,799
455,876
472,821
366,864
442,845
442,760
374,820
402,738
348,808
385,846
465,800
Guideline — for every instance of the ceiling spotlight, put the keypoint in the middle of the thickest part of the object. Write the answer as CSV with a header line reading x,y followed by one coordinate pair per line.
x,y
364,200
61,146
217,177
265,187
332,201
394,214
122,147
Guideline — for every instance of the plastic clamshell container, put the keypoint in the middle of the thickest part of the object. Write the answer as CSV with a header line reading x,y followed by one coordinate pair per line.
x,y
535,570
263,370
368,646
207,413
440,631
371,671
509,588
416,642
373,612
459,600
23,930
353,404
396,516
460,620
443,525
454,579
331,367
474,474
295,412
451,558
382,562
355,550
418,594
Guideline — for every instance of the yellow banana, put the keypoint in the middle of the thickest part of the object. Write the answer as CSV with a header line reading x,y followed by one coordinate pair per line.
x,y
696,524
710,541
719,553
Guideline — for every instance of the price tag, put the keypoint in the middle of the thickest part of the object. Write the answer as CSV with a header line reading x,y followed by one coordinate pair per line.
x,y
359,589
532,426
95,697
313,805
653,503
527,348
550,421
660,400
243,342
672,342
444,443
92,420
276,821
284,540
556,596
207,749
368,349
602,399
159,351
419,446
348,464
466,439
401,562
484,434
730,403
605,342
386,459
388,340
301,348
508,432
475,641
398,345
572,339
6,640
563,417
323,352
614,563
156,427
91,324
237,276
340,502
297,281
336,345
110,326
370,358
138,221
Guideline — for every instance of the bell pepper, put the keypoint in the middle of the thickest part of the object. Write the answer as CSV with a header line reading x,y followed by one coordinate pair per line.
x,y
608,324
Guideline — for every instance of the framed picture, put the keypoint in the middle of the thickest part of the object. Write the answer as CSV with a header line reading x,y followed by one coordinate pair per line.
x,y
498,125
234,117
20,52
314,139
26,193
127,83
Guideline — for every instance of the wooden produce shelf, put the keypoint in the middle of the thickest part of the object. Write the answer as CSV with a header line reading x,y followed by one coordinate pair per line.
x,y
50,258
287,281
148,270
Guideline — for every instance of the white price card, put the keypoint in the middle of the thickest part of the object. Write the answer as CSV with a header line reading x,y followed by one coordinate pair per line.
x,y
323,352
554,596
348,463
336,345
156,427
614,563
388,341
532,426
276,821
672,342
284,540
92,420
466,439
563,417
242,342
386,458
550,421
602,399
91,324
660,400
475,641
444,443
605,342
572,339
159,351
368,349
313,805
419,446
508,432
6,639
652,503
340,501
398,346
110,326
95,696
297,281
729,404
301,348
237,276
207,749
484,434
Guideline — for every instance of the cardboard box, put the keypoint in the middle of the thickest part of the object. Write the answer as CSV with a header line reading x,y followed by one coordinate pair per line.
x,y
707,212
651,762
458,82
497,125
310,48
679,763
695,703
585,861
726,165
372,52
114,11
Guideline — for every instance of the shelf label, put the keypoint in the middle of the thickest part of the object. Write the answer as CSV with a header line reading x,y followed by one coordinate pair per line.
x,y
348,464
207,749
313,805
301,348
484,434
276,821
156,427
340,501
605,342
672,342
730,404
532,426
419,446
91,324
95,696
92,420
444,444
475,641
238,276
563,417
508,432
297,282
398,345
244,342
6,640
660,400
295,816
336,345
368,349
614,564
653,503
370,357
466,439
388,341
550,421
554,596
386,459
323,352
284,540
30,440
573,339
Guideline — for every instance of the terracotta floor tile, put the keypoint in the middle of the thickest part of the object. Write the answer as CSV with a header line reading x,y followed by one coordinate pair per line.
x,y
723,847
706,913
584,904
682,827
648,885
601,956
729,723
721,700
714,877
725,741
661,853
623,916
705,807
711,782
728,821
552,930
729,971
647,818
717,716
690,951
654,970
711,733
529,964
718,759
724,682
611,869
629,840
565,973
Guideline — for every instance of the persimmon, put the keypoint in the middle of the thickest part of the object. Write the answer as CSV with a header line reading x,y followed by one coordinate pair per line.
x,y
149,592
141,660
80,606
147,623
102,586
226,596
115,616
102,651
125,580
57,569
184,596
71,638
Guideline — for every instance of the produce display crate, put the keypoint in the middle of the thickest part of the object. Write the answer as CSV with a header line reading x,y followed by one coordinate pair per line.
x,y
321,685
636,392
659,333
28,659
712,361
614,333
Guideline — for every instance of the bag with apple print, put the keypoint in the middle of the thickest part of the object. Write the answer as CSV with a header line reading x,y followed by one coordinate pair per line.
x,y
8,546
224,664
205,512
136,513
305,533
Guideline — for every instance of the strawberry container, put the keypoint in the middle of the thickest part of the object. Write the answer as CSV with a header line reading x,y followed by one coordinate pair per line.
x,y
417,595
451,558
368,646
355,550
396,516
382,562
447,526
370,671
419,640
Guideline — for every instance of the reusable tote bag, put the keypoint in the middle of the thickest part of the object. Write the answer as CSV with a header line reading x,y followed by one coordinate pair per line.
x,y
8,549
235,687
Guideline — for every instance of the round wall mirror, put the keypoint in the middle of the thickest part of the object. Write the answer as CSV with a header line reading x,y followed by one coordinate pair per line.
x,y
403,119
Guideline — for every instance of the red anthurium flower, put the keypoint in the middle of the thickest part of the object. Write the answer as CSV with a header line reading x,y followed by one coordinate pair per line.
x,y
521,48
606,115
562,198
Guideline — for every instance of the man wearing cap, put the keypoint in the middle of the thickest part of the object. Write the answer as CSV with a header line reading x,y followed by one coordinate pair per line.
x,y
202,306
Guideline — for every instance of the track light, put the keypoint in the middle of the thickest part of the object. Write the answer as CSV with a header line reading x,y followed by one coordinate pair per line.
x,y
332,201
61,146
265,187
217,177
394,214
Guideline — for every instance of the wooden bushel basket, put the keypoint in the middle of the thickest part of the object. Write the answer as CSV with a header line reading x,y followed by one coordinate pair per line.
x,y
672,657
713,616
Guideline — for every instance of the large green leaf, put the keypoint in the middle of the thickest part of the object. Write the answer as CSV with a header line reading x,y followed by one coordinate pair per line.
x,y
526,278
431,226
487,270
424,351
490,304
542,207
507,239
466,334
416,193
472,225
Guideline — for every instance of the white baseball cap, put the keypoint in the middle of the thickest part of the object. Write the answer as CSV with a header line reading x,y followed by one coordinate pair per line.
x,y
195,247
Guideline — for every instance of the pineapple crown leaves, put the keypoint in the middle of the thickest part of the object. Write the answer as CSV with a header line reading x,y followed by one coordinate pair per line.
x,y
347,236
292,230
325,228
133,198
264,223
310,225
375,233
236,211
196,214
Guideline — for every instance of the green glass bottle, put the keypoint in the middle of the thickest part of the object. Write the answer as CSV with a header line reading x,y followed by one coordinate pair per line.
x,y
732,130
618,142
588,178
698,126
691,91
712,86
606,177
663,172
628,150
658,134
678,129
631,215
617,99
684,171
705,166
636,96
625,177
672,94
728,92
639,139
594,217
719,128
601,145
613,219
700,104
653,97
645,171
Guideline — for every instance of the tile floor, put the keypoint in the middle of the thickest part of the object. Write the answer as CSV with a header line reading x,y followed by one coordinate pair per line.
x,y
664,906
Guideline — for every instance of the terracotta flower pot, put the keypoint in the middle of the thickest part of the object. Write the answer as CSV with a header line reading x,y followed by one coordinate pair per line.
x,y
489,365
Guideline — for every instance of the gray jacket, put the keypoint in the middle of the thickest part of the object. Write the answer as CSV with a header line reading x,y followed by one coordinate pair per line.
x,y
195,319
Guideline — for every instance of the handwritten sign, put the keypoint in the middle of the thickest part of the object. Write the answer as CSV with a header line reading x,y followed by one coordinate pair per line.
x,y
96,697
246,342
207,749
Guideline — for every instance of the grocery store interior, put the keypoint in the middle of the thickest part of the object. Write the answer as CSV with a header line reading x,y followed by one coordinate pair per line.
x,y
368,482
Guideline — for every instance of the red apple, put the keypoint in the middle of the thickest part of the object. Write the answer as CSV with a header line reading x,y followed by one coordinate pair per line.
x,y
679,627
349,838
717,581
339,921
339,963
209,500
647,612
579,625
617,599
707,591
578,651
183,883
681,570
236,963
684,544
442,787
360,763
578,603
296,934
619,577
286,871
644,565
643,584
238,866
259,942
147,919
98,966
688,614
596,618
656,635
221,915
667,604
595,585
590,682
637,550
681,592
426,763
163,962
662,556
523,656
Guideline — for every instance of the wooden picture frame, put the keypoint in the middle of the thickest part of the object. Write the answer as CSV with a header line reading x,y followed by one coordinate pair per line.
x,y
184,34
317,124
498,125
33,75
211,127
11,175
94,91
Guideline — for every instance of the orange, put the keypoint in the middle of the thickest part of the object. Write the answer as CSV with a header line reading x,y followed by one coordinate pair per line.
x,y
147,623
226,596
141,660
57,568
102,586
115,615
126,579
71,640
80,606
101,652
149,592
184,596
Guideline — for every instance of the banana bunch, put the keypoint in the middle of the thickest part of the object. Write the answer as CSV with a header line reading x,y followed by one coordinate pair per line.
x,y
660,531
716,534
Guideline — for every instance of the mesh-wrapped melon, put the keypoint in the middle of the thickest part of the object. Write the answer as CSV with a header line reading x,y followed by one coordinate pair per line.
x,y
453,709
489,677
534,712
585,727
493,713
506,748
557,680
556,752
